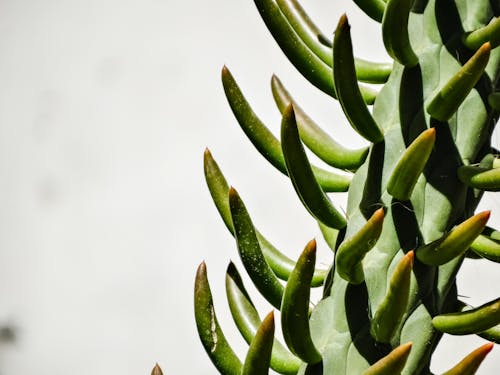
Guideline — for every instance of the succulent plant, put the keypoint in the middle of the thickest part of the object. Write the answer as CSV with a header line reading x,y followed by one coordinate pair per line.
x,y
390,293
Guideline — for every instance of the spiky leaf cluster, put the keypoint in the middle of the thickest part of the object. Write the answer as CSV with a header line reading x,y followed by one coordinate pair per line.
x,y
390,293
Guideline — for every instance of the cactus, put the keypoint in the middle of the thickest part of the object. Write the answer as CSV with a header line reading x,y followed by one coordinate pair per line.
x,y
390,293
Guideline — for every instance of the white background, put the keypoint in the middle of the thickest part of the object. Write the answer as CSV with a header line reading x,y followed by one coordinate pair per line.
x,y
105,110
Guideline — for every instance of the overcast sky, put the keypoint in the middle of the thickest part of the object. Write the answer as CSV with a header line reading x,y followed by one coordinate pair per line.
x,y
105,110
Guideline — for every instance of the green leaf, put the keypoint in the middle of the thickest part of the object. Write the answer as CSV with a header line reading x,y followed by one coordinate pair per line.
x,y
346,85
486,247
351,251
330,235
392,364
491,334
489,33
306,62
314,137
251,254
281,265
469,321
487,179
391,310
301,175
494,100
212,338
259,353
470,364
446,102
454,243
265,142
395,32
321,46
295,308
247,320
411,165
372,8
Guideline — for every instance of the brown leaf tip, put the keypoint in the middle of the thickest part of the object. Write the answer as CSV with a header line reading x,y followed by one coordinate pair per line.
x,y
156,370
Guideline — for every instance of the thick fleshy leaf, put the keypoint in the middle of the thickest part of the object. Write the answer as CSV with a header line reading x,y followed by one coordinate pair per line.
x,y
489,33
314,137
295,308
454,243
494,100
372,8
212,338
395,32
258,356
446,102
411,165
251,255
486,247
156,370
487,179
321,46
330,235
491,334
281,265
471,321
247,320
306,62
346,85
352,250
391,310
391,364
265,142
300,172
470,364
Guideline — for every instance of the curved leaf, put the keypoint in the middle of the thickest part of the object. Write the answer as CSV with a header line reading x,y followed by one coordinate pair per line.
x,y
306,62
314,137
265,142
470,364
259,353
469,321
212,338
295,308
251,254
346,85
281,265
300,172
247,320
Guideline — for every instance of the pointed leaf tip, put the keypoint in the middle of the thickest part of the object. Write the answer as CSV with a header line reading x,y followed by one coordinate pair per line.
x,y
311,246
455,243
248,322
392,363
391,310
470,364
314,137
346,85
295,308
301,174
209,331
251,254
352,251
258,358
446,102
411,165
156,370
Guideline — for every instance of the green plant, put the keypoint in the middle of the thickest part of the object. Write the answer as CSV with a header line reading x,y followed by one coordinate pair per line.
x,y
391,292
